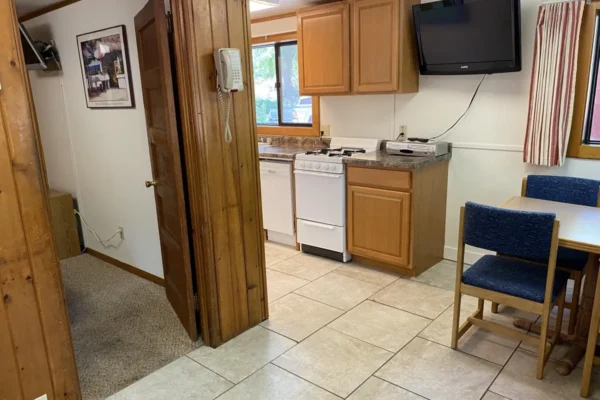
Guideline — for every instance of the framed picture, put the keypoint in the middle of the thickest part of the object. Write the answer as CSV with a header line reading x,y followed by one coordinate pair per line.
x,y
105,67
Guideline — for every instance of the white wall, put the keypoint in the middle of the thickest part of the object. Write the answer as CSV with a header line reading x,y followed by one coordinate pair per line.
x,y
101,156
487,162
273,27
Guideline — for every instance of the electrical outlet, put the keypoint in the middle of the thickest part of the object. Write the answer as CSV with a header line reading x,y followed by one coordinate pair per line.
x,y
403,132
122,233
325,130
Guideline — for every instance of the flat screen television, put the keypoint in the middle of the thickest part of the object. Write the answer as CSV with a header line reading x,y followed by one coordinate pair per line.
x,y
457,37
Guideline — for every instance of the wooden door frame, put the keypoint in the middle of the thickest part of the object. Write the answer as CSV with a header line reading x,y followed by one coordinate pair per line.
x,y
194,19
30,272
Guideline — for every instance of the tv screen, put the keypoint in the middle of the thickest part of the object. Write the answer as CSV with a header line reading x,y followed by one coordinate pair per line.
x,y
456,37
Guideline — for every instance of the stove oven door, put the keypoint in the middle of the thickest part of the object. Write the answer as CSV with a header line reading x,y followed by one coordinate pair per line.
x,y
321,197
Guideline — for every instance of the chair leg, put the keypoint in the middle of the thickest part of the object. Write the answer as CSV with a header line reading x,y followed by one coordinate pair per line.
x,y
494,308
574,306
542,344
559,318
590,351
456,318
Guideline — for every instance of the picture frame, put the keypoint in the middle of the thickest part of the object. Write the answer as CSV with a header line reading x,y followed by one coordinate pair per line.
x,y
105,68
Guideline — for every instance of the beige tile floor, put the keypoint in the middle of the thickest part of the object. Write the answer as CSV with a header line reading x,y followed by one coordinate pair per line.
x,y
347,331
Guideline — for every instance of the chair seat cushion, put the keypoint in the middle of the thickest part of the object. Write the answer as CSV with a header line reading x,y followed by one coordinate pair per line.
x,y
513,277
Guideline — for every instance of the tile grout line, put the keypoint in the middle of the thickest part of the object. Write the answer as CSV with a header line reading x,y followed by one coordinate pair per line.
x,y
214,372
304,379
385,363
497,375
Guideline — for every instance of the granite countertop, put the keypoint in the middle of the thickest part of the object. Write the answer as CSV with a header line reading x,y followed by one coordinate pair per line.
x,y
285,151
382,159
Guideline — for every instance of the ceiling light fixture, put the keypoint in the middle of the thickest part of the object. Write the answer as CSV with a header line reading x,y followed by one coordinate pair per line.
x,y
257,5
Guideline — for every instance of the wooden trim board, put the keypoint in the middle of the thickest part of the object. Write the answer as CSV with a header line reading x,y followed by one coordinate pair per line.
x,y
279,37
47,9
126,267
273,17
36,346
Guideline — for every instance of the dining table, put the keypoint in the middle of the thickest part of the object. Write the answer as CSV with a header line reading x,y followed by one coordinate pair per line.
x,y
579,230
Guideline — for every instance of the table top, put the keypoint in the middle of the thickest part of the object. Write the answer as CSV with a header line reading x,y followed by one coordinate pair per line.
x,y
579,225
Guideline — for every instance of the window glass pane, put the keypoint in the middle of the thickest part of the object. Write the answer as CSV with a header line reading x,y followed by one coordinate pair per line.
x,y
295,109
595,129
265,93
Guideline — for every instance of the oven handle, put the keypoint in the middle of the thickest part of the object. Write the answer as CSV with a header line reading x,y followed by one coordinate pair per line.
x,y
334,176
317,225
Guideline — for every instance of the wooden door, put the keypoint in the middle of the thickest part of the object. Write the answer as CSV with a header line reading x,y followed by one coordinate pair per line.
x,y
375,37
324,49
165,156
36,350
379,224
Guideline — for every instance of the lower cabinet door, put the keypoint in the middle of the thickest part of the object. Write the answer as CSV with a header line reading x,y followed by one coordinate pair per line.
x,y
379,224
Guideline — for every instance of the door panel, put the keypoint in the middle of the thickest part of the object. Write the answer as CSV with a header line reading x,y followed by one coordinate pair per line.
x,y
375,25
379,224
163,138
324,49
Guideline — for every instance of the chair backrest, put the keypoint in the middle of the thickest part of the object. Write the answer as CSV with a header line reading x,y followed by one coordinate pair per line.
x,y
513,233
564,189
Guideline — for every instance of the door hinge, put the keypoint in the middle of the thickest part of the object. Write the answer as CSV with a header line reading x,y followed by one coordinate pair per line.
x,y
196,302
169,22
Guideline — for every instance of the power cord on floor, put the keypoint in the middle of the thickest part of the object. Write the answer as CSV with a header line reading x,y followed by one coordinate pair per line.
x,y
119,233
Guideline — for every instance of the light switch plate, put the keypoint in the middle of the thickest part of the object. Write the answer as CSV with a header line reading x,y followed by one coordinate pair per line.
x,y
44,397
325,130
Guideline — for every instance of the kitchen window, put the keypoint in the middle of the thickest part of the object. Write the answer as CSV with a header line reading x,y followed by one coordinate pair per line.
x,y
280,109
584,141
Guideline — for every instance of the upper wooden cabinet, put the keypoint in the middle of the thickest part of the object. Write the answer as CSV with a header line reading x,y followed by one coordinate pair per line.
x,y
383,47
324,49
379,35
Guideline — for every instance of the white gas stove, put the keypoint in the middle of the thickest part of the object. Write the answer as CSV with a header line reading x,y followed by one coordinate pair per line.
x,y
321,196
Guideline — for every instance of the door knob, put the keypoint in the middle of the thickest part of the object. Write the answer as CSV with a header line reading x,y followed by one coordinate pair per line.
x,y
150,183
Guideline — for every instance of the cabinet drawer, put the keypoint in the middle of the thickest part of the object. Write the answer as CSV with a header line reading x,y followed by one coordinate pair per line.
x,y
379,178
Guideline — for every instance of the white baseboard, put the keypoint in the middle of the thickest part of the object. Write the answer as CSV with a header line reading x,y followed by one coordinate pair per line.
x,y
450,253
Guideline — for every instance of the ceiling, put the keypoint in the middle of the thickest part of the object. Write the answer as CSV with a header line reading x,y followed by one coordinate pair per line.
x,y
27,6
285,6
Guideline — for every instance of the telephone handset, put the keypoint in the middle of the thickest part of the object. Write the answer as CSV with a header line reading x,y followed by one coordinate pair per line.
x,y
229,80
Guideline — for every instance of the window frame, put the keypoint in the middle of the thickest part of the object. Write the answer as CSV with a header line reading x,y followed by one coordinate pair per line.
x,y
585,86
287,129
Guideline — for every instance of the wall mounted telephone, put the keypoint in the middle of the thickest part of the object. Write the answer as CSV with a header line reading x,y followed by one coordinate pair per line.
x,y
229,80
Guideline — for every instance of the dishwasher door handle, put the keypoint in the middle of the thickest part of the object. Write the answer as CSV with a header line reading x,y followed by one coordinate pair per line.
x,y
317,225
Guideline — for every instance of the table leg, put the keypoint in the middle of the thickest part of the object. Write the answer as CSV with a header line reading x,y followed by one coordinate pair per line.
x,y
577,351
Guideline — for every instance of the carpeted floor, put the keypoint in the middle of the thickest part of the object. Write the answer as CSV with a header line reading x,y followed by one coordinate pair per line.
x,y
123,326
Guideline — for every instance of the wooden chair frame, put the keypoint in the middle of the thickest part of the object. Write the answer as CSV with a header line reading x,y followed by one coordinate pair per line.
x,y
544,309
577,276
590,351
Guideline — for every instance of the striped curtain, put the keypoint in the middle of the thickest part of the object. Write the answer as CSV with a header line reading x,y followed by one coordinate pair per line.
x,y
553,83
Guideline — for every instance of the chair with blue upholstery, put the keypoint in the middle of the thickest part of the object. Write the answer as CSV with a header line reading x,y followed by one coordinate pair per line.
x,y
564,189
509,279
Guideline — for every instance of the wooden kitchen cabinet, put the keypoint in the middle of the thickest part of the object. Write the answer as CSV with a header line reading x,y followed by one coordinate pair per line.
x,y
383,47
397,218
377,33
324,49
379,224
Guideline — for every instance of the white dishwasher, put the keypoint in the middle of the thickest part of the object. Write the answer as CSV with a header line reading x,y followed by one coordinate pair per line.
x,y
278,200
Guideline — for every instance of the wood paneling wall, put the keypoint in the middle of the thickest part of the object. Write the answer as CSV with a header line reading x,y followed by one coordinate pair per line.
x,y
36,352
223,179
